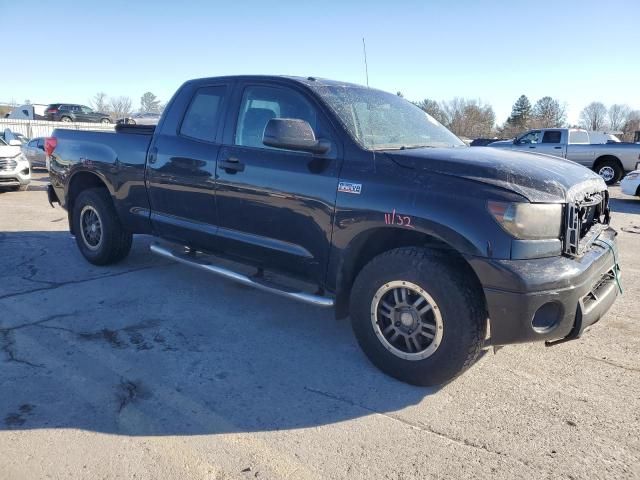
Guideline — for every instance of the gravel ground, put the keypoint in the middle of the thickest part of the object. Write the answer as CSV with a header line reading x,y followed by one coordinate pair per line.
x,y
153,370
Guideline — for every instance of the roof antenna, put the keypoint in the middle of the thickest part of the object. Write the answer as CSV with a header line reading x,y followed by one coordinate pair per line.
x,y
366,72
366,68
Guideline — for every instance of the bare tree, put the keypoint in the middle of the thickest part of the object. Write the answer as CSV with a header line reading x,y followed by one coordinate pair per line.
x,y
548,113
631,126
120,107
469,118
433,108
594,116
99,102
618,115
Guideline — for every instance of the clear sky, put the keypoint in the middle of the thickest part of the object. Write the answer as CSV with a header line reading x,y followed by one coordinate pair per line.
x,y
576,51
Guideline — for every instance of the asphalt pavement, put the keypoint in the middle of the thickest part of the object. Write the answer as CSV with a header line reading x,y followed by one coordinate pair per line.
x,y
149,369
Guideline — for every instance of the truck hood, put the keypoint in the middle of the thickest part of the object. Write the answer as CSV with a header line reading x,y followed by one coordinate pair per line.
x,y
537,177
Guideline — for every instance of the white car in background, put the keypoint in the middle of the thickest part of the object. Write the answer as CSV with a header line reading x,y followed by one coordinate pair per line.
x,y
15,171
630,184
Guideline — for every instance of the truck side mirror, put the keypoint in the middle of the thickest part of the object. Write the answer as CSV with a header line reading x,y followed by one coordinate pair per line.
x,y
293,134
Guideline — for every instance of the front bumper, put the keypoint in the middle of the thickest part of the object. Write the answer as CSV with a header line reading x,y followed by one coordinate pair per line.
x,y
18,176
549,299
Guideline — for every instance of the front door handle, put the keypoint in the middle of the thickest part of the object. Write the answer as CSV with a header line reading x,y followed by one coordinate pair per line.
x,y
232,165
532,147
558,148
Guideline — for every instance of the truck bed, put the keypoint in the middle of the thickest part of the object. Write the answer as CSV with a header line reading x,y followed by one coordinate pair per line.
x,y
119,156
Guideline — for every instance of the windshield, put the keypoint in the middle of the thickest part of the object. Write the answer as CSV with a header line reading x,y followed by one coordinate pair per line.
x,y
381,121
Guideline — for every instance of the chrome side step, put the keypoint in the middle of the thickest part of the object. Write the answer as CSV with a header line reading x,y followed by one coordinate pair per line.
x,y
194,261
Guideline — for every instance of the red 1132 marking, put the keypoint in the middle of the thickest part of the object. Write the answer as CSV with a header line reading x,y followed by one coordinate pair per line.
x,y
396,219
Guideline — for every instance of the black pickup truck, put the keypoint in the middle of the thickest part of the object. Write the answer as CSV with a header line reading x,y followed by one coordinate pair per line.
x,y
368,203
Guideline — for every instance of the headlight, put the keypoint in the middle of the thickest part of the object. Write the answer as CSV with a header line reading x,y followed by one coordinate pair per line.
x,y
632,175
528,221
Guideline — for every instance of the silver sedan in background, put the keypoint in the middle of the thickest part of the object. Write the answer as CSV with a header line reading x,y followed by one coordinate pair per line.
x,y
34,151
141,118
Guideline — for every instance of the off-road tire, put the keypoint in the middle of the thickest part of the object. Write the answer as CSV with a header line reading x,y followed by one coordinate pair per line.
x,y
116,241
459,300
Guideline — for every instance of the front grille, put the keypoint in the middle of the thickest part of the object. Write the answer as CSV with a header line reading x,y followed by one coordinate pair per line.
x,y
594,296
8,180
7,164
585,220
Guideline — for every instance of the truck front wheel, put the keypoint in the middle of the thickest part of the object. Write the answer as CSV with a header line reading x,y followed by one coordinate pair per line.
x,y
417,316
99,234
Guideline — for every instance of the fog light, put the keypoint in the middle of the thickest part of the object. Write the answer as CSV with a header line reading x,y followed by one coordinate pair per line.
x,y
547,317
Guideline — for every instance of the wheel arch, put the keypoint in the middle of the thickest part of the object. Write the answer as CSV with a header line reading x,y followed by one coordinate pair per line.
x,y
371,243
603,158
79,182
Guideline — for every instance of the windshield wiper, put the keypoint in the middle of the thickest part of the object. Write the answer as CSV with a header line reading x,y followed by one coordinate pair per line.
x,y
402,147
411,147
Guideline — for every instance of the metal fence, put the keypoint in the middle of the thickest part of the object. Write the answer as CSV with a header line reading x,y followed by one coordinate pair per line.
x,y
43,128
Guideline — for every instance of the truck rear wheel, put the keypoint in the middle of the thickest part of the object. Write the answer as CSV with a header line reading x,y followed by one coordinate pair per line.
x,y
99,234
417,316
610,171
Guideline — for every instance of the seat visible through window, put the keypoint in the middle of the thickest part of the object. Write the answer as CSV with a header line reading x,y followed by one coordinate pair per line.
x,y
255,121
261,104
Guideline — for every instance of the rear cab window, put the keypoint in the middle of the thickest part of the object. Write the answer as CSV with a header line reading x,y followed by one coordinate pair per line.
x,y
578,137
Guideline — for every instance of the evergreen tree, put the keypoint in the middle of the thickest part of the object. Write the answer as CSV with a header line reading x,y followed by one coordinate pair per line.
x,y
548,113
149,103
520,113
434,109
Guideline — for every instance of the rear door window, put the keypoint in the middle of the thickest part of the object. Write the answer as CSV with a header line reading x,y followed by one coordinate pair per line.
x,y
203,115
552,136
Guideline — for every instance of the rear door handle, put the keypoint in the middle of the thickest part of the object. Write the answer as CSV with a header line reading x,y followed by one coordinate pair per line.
x,y
153,155
232,165
558,148
532,147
